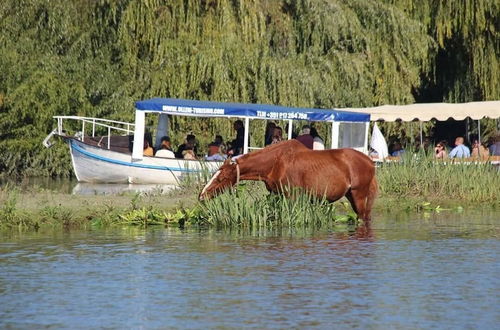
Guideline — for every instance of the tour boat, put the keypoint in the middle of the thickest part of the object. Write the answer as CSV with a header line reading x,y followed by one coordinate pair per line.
x,y
117,156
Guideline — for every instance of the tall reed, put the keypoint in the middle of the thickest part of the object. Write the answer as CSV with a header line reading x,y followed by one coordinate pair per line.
x,y
250,206
420,176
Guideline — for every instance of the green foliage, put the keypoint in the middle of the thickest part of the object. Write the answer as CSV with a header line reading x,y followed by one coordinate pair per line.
x,y
95,58
424,177
467,63
251,207
142,217
11,216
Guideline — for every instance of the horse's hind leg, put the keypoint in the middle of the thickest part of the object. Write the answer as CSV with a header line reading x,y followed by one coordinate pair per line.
x,y
349,197
370,198
358,199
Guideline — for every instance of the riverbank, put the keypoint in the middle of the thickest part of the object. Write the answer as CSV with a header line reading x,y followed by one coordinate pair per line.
x,y
35,208
414,185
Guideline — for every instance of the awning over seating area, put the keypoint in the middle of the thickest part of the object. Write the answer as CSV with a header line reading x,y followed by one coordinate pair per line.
x,y
428,111
196,108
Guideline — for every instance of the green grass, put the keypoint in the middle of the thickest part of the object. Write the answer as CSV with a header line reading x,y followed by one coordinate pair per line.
x,y
250,206
419,176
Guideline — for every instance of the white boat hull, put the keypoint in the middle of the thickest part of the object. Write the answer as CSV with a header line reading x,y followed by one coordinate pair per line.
x,y
97,165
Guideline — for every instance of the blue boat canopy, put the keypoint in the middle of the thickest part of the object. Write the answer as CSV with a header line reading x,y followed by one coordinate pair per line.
x,y
246,110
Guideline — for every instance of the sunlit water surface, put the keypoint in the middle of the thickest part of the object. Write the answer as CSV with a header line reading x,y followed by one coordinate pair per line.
x,y
408,272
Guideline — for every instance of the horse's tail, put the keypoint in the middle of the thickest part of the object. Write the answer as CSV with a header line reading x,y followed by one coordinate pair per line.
x,y
372,193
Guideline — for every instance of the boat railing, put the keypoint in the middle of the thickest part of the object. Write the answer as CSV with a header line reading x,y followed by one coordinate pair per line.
x,y
109,125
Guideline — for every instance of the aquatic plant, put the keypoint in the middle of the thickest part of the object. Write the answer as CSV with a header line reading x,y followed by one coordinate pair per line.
x,y
142,217
249,205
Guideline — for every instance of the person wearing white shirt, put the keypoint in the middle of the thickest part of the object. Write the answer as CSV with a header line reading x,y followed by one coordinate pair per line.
x,y
165,153
165,149
318,143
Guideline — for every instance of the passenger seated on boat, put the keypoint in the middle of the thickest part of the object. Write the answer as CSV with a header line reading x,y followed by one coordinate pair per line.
x,y
189,144
426,144
149,138
165,141
460,150
148,151
277,135
188,154
494,145
237,144
479,150
397,150
268,136
219,141
441,152
318,143
305,137
165,150
214,152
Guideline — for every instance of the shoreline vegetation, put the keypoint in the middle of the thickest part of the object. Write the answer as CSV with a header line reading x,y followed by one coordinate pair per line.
x,y
413,185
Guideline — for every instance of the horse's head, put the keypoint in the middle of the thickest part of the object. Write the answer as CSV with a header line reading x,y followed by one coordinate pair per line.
x,y
225,177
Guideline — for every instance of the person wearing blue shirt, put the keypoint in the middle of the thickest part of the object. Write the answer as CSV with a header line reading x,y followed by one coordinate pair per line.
x,y
397,150
460,150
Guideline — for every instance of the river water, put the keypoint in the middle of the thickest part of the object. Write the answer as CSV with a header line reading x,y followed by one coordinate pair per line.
x,y
407,271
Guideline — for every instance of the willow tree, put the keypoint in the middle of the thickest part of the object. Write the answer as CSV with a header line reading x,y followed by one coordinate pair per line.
x,y
56,58
467,33
466,65
95,58
297,53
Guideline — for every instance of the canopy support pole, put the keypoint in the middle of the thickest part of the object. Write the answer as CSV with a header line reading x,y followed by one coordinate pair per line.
x,y
162,129
245,141
479,130
138,149
421,134
412,138
290,129
335,134
367,132
467,128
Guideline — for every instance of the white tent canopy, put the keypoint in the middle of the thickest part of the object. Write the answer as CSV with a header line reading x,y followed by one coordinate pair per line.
x,y
427,111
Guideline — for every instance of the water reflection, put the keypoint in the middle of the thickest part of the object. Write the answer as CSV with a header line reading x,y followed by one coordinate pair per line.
x,y
39,183
69,186
117,188
408,271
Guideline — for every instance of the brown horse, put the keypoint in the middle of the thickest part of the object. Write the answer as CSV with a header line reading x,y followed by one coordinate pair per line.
x,y
329,174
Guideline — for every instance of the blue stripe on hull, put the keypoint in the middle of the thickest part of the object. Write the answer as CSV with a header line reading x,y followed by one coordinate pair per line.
x,y
77,148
